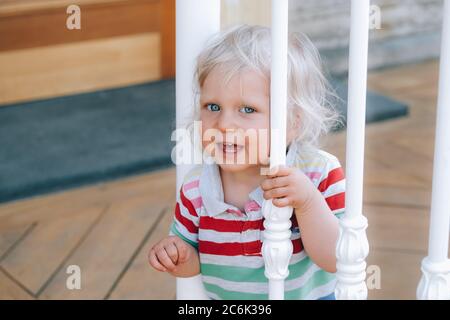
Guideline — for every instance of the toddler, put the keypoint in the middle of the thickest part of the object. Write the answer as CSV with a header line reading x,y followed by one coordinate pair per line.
x,y
218,222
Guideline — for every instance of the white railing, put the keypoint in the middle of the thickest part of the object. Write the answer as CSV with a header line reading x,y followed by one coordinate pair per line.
x,y
196,20
435,282
277,246
353,247
202,19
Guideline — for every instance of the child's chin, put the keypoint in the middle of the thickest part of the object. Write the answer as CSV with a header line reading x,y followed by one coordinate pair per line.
x,y
235,167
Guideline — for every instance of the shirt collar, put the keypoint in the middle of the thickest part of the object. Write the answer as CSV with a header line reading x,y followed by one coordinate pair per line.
x,y
211,186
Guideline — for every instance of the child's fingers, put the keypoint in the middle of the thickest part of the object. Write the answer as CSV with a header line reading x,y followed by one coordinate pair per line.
x,y
274,183
182,250
279,171
276,193
172,252
164,259
281,202
154,261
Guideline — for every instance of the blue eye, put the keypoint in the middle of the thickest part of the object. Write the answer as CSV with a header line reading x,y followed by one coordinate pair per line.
x,y
247,110
213,107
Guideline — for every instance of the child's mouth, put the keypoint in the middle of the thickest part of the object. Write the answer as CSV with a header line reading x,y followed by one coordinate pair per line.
x,y
230,148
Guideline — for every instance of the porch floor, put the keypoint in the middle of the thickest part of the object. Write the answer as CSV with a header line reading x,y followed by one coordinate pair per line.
x,y
106,229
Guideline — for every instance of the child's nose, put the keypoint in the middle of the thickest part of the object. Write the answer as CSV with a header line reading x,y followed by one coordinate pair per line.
x,y
226,122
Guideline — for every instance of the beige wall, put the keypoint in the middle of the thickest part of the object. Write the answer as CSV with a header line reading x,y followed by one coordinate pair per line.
x,y
410,29
245,11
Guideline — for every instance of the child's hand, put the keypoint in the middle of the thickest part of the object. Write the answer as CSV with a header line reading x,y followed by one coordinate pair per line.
x,y
169,253
288,187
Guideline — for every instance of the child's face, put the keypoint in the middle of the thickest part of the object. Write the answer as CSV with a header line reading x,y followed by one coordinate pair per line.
x,y
236,119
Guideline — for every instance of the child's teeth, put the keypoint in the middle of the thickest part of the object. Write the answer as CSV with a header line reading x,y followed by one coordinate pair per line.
x,y
230,147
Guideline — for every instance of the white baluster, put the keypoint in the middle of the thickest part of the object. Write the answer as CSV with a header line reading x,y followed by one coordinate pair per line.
x,y
435,281
353,247
277,246
196,20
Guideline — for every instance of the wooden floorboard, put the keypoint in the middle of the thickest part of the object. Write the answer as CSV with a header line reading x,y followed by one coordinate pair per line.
x,y
43,250
71,202
108,228
11,237
107,250
397,196
400,274
10,289
135,283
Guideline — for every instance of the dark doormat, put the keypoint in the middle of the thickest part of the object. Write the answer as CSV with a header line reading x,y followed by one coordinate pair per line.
x,y
66,142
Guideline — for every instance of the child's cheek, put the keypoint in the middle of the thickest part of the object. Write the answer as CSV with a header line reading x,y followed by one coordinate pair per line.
x,y
206,136
264,148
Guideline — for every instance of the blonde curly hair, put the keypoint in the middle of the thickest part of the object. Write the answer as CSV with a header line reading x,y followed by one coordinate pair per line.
x,y
310,99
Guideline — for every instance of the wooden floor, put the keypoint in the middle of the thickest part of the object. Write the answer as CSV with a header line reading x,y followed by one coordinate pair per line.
x,y
107,229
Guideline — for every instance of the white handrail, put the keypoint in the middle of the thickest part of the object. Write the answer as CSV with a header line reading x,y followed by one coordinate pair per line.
x,y
353,247
277,247
435,281
196,20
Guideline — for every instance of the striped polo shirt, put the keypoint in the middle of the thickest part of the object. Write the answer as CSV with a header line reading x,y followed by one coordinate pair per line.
x,y
229,241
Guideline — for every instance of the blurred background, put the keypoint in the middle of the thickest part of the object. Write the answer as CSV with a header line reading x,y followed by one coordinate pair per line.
x,y
86,115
